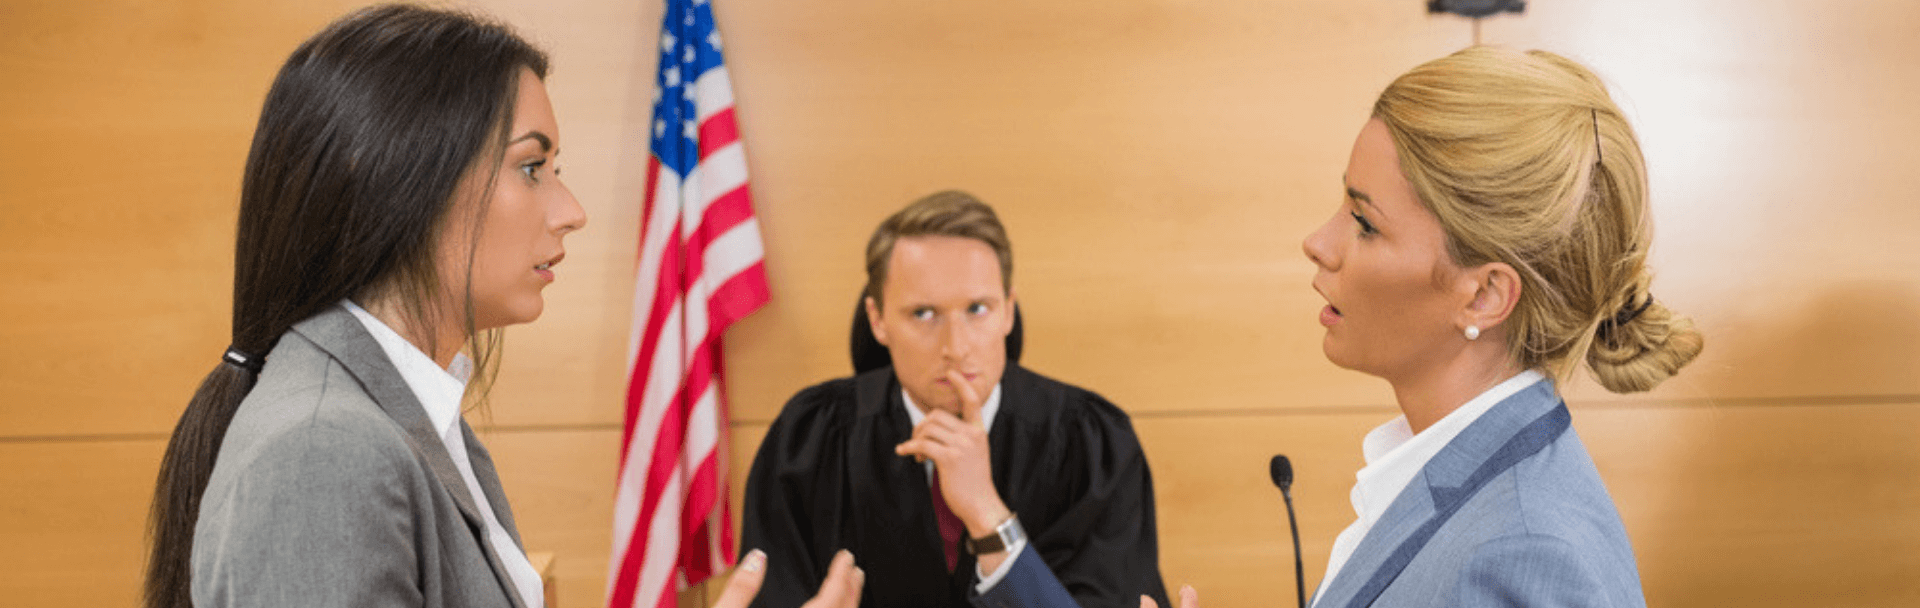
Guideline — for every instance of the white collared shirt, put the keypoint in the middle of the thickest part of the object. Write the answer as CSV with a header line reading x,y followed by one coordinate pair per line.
x,y
1395,455
987,411
440,392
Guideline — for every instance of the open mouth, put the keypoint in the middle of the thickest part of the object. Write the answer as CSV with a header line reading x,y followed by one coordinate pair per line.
x,y
1330,316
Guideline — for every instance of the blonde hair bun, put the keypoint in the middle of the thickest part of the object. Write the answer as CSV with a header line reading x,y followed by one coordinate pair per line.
x,y
1525,160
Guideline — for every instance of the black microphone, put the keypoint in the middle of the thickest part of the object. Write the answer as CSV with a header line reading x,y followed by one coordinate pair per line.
x,y
1282,471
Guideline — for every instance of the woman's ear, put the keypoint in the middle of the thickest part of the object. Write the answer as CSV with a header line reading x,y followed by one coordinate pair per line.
x,y
1496,292
873,323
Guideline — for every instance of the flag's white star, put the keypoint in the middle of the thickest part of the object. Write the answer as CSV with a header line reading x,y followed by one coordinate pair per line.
x,y
673,76
693,130
667,41
713,40
659,127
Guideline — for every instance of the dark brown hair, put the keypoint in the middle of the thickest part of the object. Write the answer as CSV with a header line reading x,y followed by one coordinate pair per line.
x,y
946,213
364,140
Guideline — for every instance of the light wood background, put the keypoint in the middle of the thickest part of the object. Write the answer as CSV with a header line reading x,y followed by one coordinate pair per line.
x,y
1157,163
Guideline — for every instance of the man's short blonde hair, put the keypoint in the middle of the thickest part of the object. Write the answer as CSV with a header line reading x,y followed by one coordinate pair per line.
x,y
947,213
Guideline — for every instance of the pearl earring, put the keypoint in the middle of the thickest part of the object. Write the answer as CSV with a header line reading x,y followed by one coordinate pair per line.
x,y
1473,332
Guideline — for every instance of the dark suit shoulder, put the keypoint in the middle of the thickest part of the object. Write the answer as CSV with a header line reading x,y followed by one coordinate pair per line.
x,y
824,407
1040,399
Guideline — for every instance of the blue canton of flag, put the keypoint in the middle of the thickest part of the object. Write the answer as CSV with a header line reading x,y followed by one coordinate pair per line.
x,y
689,47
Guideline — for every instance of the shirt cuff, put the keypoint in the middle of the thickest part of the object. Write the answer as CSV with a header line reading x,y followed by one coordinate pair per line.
x,y
988,581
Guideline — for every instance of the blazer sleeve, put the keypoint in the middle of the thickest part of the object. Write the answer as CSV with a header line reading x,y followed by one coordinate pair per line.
x,y
319,516
1532,571
1028,584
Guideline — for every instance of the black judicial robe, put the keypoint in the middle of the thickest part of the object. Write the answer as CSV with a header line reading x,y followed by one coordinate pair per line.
x,y
1064,459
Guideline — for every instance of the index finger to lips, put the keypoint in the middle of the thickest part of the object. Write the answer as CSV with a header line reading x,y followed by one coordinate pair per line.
x,y
970,401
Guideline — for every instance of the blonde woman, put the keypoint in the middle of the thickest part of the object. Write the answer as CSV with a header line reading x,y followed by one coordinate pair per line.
x,y
1493,238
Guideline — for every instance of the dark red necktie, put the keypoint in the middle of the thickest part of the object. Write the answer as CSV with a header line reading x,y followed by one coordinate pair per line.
x,y
949,524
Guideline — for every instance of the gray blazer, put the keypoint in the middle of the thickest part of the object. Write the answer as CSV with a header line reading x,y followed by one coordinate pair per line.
x,y
1510,513
332,489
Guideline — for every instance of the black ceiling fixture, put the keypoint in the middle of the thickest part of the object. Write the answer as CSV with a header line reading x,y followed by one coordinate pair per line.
x,y
1476,8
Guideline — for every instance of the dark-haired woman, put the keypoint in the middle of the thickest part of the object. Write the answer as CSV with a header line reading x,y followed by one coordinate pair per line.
x,y
399,204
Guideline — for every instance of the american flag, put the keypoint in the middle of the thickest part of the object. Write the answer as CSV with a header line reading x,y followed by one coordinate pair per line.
x,y
700,270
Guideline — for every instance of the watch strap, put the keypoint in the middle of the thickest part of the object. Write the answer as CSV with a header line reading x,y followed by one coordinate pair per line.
x,y
1003,537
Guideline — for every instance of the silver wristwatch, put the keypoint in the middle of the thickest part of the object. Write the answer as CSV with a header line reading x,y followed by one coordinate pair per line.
x,y
1004,536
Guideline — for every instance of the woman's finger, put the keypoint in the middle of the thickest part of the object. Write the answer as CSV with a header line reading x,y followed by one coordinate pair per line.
x,y
1189,598
841,588
745,582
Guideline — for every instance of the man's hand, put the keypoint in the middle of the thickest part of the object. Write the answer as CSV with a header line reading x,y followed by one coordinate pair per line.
x,y
841,588
959,451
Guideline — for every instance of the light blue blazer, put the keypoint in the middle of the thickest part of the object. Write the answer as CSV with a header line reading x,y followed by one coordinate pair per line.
x,y
1510,513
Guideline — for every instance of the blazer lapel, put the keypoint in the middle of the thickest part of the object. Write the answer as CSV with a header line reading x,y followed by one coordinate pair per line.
x,y
1402,518
340,334
483,471
1514,428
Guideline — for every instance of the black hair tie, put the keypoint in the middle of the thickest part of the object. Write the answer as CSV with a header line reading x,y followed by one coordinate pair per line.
x,y
239,358
1626,315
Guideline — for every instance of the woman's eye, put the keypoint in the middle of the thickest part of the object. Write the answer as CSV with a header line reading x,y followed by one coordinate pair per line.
x,y
1366,227
977,309
923,313
532,169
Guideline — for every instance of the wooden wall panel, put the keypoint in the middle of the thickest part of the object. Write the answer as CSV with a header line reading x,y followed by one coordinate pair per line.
x,y
126,126
72,514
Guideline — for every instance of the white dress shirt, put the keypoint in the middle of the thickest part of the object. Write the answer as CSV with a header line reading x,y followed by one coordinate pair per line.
x,y
1395,454
987,412
440,392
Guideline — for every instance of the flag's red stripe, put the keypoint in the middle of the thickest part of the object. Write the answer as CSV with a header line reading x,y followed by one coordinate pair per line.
x,y
726,212
647,202
695,557
718,131
738,297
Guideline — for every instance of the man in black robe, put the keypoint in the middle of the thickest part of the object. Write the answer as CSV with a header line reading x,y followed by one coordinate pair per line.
x,y
949,445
